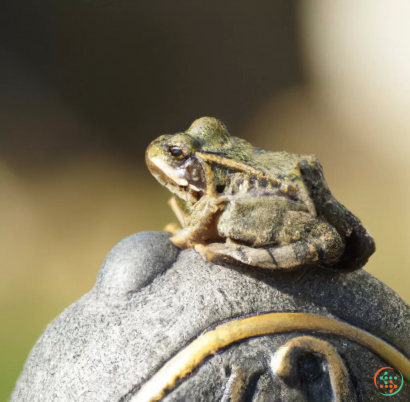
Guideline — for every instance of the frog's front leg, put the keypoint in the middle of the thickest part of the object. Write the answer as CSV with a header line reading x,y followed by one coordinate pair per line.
x,y
179,212
322,245
200,225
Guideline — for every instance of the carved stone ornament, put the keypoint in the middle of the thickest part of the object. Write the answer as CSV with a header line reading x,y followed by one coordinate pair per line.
x,y
164,324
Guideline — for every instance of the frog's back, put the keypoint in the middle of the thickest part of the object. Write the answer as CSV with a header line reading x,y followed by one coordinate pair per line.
x,y
278,165
307,172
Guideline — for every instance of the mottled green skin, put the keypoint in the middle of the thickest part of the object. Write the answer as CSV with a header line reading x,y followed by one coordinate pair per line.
x,y
255,207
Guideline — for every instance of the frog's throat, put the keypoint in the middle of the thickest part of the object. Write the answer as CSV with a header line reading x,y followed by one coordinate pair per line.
x,y
174,181
176,175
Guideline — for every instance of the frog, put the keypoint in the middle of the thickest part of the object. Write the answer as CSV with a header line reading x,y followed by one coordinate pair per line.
x,y
238,204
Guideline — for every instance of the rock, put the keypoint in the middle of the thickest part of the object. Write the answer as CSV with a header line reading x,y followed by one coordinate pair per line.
x,y
150,300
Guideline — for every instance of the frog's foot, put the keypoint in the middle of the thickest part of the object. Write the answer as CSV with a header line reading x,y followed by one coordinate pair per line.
x,y
200,226
172,228
289,256
190,237
209,206
178,211
183,239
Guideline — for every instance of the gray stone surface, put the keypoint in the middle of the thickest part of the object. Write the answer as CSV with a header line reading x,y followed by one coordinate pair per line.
x,y
209,382
150,299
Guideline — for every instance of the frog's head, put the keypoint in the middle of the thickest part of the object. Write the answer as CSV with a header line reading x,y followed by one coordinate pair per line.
x,y
174,160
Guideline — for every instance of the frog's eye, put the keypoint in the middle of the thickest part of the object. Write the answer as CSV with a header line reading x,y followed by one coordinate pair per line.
x,y
176,152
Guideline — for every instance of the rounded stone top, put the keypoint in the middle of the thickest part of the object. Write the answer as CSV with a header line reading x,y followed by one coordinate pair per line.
x,y
151,299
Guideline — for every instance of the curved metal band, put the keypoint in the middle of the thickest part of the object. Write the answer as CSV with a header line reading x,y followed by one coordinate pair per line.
x,y
189,358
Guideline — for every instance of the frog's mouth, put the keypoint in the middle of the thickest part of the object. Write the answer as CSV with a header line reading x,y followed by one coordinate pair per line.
x,y
185,181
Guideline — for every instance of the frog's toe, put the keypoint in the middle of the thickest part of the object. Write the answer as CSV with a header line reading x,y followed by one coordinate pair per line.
x,y
200,249
221,199
208,253
182,239
172,228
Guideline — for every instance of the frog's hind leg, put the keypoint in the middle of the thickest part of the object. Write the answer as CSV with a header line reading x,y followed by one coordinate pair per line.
x,y
322,246
220,253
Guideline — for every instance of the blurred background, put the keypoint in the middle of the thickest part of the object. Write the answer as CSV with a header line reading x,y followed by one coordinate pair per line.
x,y
86,85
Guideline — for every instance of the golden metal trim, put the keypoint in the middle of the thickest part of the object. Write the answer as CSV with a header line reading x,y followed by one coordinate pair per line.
x,y
189,358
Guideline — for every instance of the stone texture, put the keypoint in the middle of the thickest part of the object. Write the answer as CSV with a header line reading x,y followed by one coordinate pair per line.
x,y
150,300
